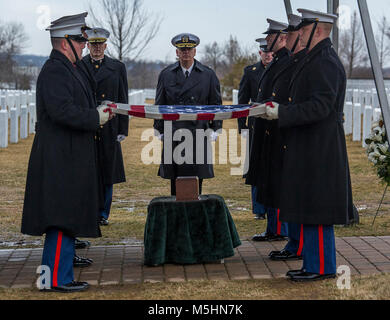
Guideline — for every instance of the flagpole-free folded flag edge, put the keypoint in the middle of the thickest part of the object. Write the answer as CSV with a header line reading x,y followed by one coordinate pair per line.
x,y
187,113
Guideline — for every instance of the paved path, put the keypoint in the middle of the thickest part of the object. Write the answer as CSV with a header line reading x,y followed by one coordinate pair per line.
x,y
115,265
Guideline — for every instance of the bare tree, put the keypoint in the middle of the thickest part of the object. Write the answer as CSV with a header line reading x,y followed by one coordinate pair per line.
x,y
132,28
382,41
213,56
232,51
13,40
353,51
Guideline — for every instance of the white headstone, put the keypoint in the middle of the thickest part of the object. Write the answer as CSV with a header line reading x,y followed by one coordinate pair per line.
x,y
32,118
235,96
14,136
3,105
348,111
356,96
377,114
23,122
367,122
3,129
357,122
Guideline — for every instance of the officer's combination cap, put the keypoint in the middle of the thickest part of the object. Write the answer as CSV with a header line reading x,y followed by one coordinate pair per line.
x,y
185,40
263,44
69,27
310,16
97,35
276,27
294,22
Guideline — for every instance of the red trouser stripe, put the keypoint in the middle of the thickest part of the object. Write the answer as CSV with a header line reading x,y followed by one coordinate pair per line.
x,y
321,247
57,259
279,224
300,249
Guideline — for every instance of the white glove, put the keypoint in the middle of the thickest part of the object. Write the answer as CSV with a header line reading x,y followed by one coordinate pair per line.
x,y
272,111
103,115
213,136
120,137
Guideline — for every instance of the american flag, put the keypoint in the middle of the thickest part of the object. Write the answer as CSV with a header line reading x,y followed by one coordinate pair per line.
x,y
187,113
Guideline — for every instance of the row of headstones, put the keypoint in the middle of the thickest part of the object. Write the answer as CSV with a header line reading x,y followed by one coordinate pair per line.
x,y
17,116
361,109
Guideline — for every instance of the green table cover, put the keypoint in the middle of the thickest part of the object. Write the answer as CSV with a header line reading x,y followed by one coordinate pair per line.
x,y
189,232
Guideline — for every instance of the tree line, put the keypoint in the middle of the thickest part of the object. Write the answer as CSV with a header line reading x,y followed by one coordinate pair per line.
x,y
133,28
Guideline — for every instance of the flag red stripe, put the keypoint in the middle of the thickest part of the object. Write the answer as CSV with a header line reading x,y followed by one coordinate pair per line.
x,y
171,117
240,114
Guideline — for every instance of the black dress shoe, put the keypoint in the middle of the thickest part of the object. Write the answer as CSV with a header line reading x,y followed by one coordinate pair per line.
x,y
267,237
294,272
79,262
285,255
80,244
103,222
69,288
273,253
309,277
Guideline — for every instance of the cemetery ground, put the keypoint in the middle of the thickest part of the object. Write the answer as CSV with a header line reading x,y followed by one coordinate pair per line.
x,y
128,216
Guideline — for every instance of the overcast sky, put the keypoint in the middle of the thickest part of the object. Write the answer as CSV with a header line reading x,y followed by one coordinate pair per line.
x,y
211,20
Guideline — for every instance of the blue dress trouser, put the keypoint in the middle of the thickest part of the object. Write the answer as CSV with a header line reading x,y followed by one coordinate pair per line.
x,y
295,239
108,189
257,207
274,225
319,254
58,253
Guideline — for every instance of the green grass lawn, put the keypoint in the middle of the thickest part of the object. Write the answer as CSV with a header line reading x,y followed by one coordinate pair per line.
x,y
131,199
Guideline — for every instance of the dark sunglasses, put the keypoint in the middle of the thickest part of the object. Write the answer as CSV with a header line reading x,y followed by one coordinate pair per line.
x,y
77,38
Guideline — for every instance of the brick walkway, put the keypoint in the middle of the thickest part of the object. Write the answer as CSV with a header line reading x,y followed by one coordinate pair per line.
x,y
115,265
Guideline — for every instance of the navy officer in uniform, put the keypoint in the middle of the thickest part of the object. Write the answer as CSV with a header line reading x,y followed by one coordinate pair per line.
x,y
188,82
315,187
62,196
262,139
249,88
111,84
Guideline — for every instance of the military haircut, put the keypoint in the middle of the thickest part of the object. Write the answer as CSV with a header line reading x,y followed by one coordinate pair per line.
x,y
326,27
56,42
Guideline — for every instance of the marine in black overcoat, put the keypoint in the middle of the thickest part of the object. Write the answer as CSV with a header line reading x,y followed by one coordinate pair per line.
x,y
201,88
270,166
62,178
316,188
111,84
249,88
261,125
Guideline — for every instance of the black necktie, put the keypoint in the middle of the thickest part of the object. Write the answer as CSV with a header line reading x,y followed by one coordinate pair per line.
x,y
187,74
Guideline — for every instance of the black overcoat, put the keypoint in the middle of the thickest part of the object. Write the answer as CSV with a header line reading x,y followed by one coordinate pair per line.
x,y
111,84
315,186
201,88
261,125
270,166
62,178
249,88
